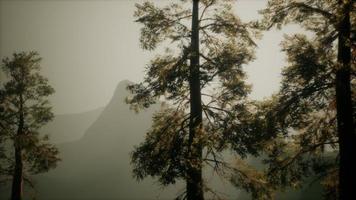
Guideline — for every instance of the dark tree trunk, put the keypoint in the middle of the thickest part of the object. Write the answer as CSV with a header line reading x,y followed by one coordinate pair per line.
x,y
17,181
194,168
345,124
16,193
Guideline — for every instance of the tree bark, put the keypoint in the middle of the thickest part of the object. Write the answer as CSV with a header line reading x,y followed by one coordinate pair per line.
x,y
17,181
194,169
345,124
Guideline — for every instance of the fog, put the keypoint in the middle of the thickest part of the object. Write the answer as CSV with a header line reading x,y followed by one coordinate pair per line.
x,y
88,47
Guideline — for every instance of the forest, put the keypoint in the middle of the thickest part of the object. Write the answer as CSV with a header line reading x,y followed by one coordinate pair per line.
x,y
189,129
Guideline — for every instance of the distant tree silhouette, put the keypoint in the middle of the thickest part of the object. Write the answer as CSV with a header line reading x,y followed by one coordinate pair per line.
x,y
24,109
315,99
202,79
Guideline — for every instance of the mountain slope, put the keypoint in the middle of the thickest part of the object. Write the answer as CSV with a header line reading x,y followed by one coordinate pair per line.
x,y
97,166
70,127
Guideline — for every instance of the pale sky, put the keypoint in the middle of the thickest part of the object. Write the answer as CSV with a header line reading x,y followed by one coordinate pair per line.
x,y
90,46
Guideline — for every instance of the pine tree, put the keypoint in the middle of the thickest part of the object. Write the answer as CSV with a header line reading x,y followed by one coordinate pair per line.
x,y
24,109
202,81
315,101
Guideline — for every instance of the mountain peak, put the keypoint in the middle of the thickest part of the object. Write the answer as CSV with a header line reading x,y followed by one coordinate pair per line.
x,y
124,83
121,92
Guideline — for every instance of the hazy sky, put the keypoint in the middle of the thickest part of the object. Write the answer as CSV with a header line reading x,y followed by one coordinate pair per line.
x,y
90,46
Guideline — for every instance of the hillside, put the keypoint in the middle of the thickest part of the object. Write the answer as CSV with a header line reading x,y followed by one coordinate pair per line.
x,y
75,126
97,166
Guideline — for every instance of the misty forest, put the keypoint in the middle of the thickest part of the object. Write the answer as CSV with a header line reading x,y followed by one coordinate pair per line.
x,y
178,99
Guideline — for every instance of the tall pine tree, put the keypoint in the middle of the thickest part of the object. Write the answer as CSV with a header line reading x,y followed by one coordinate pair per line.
x,y
24,109
202,80
316,97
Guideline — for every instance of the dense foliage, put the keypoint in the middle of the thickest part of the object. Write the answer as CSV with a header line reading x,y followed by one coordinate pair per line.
x,y
308,114
226,46
24,109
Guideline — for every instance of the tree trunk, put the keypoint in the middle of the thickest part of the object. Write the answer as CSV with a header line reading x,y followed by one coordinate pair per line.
x,y
17,179
345,124
194,168
17,182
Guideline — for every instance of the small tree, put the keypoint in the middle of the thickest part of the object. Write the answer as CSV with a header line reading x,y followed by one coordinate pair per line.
x,y
24,109
315,100
202,79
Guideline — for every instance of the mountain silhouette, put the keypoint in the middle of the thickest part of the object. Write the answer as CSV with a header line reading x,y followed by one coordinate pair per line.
x,y
70,127
96,159
98,165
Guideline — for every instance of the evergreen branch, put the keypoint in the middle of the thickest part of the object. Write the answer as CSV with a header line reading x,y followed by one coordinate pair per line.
x,y
207,116
322,175
206,8
320,11
298,5
289,161
305,92
29,182
216,108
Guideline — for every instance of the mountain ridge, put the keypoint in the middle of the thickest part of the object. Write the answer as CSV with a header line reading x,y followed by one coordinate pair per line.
x,y
75,125
97,166
100,160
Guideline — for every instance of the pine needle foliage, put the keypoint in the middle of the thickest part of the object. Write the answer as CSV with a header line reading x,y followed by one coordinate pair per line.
x,y
312,116
226,45
24,109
